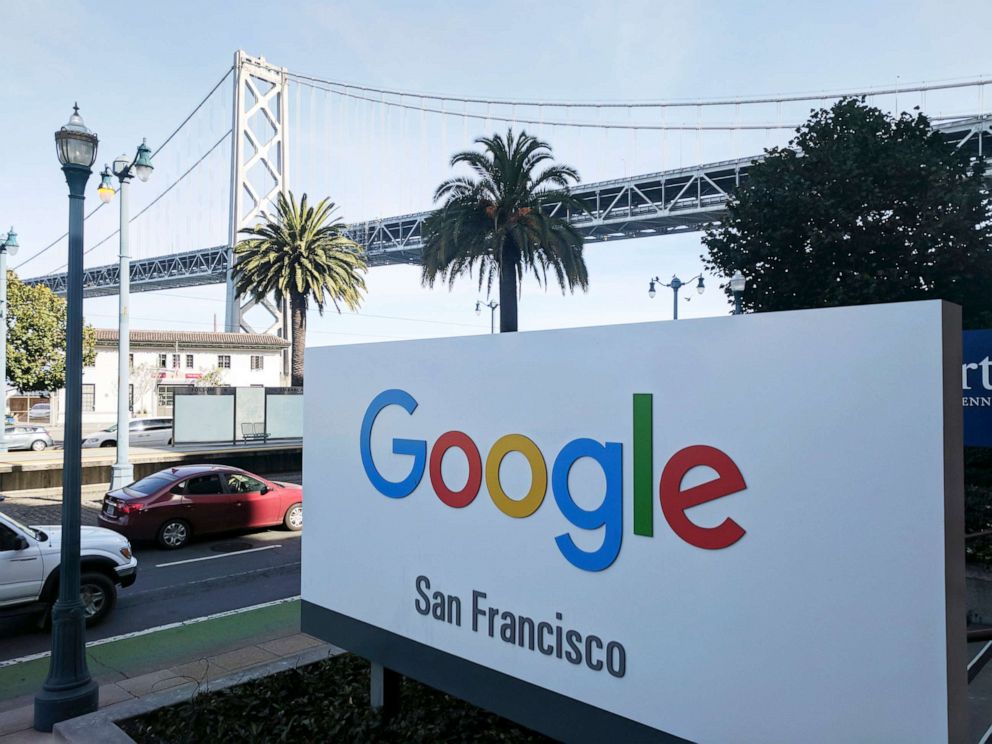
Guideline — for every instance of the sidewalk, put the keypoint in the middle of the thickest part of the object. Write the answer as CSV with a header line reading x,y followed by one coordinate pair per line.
x,y
179,658
44,505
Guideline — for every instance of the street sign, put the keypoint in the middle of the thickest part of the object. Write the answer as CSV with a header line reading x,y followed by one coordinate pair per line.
x,y
727,529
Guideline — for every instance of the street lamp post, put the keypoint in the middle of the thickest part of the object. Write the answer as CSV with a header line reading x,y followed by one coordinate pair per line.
x,y
492,305
69,691
122,472
737,283
676,284
8,246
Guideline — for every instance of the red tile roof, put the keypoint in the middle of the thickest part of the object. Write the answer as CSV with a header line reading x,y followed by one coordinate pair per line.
x,y
192,339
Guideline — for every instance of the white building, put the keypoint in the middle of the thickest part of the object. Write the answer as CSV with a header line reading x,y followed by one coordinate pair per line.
x,y
162,361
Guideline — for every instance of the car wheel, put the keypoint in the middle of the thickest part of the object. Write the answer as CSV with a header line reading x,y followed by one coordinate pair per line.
x,y
38,445
173,534
170,441
98,595
108,443
294,518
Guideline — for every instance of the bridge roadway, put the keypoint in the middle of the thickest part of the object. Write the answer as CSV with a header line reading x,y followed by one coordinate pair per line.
x,y
664,203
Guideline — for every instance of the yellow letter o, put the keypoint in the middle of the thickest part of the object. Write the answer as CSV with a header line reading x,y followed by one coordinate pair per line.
x,y
539,476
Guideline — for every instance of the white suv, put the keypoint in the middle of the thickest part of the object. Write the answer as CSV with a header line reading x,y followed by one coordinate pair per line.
x,y
29,563
144,432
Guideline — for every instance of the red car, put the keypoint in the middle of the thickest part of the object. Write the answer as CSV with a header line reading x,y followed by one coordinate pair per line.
x,y
173,505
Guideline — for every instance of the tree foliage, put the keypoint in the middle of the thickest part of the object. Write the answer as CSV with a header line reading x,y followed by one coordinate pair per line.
x,y
36,337
300,253
500,224
860,208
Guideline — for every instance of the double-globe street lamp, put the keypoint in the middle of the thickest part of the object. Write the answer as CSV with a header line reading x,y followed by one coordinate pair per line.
x,y
122,472
492,305
9,246
676,284
69,690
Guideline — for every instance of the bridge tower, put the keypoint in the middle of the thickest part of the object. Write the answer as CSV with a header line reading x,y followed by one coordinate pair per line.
x,y
259,171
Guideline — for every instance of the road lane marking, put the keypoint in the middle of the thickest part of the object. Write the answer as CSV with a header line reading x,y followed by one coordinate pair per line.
x,y
156,629
220,555
131,594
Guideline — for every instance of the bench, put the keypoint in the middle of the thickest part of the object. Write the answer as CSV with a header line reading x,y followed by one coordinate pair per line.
x,y
254,432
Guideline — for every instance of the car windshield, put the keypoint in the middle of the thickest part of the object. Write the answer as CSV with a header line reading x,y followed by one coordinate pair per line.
x,y
150,485
111,428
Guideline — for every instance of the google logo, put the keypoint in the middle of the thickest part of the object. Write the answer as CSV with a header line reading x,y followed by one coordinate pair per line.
x,y
675,500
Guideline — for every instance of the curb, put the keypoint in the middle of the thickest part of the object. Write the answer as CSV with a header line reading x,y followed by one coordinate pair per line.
x,y
102,726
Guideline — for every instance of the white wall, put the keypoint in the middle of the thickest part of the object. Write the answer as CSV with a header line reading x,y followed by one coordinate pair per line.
x,y
103,376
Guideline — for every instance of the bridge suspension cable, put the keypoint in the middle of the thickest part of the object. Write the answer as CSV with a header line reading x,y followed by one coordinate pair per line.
x,y
161,194
161,147
689,127
696,126
659,104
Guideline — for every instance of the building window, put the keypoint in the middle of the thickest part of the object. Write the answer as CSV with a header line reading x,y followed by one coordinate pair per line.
x,y
166,396
163,361
175,361
130,361
189,361
130,397
224,361
257,361
89,398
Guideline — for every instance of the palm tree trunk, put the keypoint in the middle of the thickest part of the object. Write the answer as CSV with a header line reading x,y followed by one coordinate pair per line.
x,y
507,297
299,320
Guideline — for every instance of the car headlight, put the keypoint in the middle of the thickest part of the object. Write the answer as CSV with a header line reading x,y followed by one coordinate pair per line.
x,y
126,552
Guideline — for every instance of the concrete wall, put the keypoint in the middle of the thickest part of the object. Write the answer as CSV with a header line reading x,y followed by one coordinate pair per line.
x,y
27,474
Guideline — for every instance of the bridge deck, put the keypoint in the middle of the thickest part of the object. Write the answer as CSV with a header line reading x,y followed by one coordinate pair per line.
x,y
667,202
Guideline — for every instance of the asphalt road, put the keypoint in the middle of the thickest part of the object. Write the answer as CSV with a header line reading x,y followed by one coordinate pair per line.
x,y
211,575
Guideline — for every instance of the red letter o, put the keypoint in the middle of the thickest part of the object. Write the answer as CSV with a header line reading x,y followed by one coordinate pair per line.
x,y
446,441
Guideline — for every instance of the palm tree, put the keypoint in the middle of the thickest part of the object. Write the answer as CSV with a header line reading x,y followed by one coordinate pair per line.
x,y
502,223
303,254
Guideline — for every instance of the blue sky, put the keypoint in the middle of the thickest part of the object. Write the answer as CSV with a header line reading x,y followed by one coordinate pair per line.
x,y
137,69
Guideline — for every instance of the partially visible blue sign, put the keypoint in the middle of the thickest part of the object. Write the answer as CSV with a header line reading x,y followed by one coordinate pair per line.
x,y
976,383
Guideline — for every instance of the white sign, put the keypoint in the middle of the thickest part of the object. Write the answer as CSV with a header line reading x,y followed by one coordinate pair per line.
x,y
733,529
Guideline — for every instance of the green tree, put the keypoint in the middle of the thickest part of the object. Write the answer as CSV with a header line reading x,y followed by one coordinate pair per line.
x,y
500,223
213,377
36,337
861,208
300,253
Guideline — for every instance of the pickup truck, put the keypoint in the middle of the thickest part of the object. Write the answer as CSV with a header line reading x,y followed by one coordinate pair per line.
x,y
29,569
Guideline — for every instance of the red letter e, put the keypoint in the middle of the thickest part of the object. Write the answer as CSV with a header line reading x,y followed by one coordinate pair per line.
x,y
675,501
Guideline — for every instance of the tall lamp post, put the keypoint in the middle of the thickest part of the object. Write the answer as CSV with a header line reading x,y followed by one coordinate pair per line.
x,y
122,472
676,284
8,246
69,691
492,305
737,283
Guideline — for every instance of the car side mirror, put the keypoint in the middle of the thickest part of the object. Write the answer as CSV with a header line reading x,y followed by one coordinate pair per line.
x,y
264,489
20,543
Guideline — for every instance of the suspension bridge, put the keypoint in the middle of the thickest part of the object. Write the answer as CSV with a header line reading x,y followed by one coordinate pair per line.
x,y
376,148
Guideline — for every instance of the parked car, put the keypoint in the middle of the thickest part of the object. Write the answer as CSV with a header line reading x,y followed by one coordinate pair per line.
x,y
144,432
27,437
29,568
173,505
40,412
